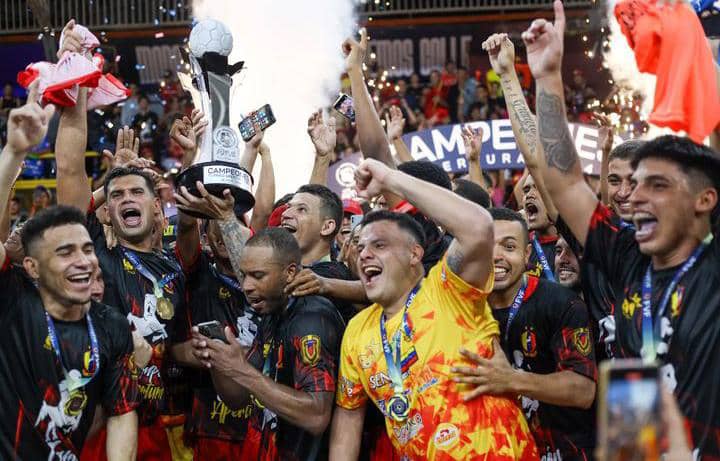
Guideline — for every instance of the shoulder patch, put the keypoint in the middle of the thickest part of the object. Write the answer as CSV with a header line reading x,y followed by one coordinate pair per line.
x,y
310,349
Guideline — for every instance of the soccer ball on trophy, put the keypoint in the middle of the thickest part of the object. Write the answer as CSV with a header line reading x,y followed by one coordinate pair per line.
x,y
210,35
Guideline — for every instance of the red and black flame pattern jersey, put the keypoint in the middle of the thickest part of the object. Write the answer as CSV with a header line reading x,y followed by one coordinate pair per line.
x,y
551,333
298,348
42,416
689,337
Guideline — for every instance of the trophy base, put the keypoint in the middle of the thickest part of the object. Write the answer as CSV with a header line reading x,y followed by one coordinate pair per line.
x,y
217,176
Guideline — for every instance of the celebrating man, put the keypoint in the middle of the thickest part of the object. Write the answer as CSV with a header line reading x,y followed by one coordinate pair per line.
x,y
545,331
397,353
664,271
62,354
288,377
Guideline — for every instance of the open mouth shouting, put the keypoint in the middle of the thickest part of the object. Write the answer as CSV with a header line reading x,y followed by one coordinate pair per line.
x,y
289,226
80,280
645,225
502,271
566,272
531,211
370,273
131,216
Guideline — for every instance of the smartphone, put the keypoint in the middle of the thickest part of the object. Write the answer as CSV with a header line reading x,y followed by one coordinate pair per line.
x,y
629,420
212,330
344,105
355,220
263,117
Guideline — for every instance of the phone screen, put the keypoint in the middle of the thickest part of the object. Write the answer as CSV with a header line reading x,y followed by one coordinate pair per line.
x,y
263,117
344,105
630,419
355,220
212,330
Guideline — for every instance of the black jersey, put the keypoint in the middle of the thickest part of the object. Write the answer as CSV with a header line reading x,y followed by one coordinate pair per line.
x,y
551,333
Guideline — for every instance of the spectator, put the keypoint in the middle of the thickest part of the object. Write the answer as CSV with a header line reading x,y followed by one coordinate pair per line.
x,y
480,108
17,214
130,106
9,100
41,199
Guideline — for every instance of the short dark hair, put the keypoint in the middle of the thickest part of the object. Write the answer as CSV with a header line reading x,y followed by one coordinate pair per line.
x,y
402,220
626,150
692,158
427,171
473,192
330,204
122,171
285,248
54,216
283,200
506,214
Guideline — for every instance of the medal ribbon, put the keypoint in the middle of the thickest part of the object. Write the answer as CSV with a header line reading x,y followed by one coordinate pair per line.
x,y
515,307
229,281
543,260
94,348
140,267
649,351
394,363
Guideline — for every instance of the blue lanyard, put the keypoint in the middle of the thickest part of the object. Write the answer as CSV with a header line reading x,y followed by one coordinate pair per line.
x,y
229,281
140,267
74,382
543,260
394,363
515,307
649,352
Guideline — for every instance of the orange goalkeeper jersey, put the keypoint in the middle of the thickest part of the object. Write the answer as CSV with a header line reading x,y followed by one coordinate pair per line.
x,y
446,314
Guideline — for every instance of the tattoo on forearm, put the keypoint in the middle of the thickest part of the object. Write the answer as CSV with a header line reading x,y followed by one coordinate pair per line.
x,y
554,133
234,238
455,258
520,113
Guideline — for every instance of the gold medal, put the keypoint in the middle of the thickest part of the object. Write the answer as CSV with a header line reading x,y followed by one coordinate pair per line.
x,y
165,308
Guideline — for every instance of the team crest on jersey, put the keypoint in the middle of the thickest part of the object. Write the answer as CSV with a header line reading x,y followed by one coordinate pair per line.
x,y
128,267
224,293
369,356
528,341
581,339
629,306
676,302
446,436
310,349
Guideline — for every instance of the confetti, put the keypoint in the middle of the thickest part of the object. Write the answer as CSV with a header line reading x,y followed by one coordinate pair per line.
x,y
139,66
117,58
160,35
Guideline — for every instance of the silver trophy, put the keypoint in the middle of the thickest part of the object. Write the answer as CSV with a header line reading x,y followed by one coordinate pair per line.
x,y
217,159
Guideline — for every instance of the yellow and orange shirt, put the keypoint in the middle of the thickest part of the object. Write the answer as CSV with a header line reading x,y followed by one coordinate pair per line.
x,y
446,314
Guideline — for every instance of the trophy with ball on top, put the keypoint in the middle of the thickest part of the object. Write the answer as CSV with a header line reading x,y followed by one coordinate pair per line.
x,y
217,160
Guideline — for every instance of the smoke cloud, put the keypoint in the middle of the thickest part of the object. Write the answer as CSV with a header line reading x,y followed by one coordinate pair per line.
x,y
293,62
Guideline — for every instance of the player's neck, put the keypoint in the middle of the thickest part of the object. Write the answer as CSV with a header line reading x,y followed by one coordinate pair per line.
x,y
318,251
61,311
145,245
500,299
683,250
396,305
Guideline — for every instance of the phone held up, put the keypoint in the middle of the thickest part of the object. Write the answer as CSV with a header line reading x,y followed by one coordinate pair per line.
x,y
629,420
344,105
212,330
263,117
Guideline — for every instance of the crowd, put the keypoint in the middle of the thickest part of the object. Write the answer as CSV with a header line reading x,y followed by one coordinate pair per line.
x,y
423,320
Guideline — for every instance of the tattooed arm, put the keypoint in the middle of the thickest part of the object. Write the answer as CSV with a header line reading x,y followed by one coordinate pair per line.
x,y
234,235
562,172
502,57
470,254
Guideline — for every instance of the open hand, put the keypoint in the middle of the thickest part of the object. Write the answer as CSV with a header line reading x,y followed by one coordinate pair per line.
x,y
127,148
306,283
501,51
472,138
493,376
394,123
322,134
207,204
544,42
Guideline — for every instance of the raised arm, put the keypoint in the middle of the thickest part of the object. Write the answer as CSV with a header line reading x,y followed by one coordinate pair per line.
x,y
395,124
606,133
470,254
472,138
323,136
265,192
26,128
73,186
502,58
562,172
371,135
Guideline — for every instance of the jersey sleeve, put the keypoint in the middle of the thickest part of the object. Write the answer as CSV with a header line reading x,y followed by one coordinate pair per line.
x,y
315,339
350,393
13,284
572,343
120,385
610,244
453,293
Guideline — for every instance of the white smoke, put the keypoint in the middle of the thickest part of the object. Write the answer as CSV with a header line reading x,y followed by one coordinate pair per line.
x,y
293,62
